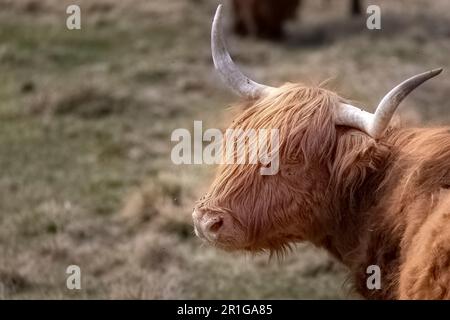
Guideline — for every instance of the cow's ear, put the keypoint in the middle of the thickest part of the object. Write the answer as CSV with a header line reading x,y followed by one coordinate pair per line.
x,y
358,159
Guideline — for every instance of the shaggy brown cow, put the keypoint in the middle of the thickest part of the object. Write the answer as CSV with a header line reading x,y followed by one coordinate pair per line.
x,y
265,18
368,192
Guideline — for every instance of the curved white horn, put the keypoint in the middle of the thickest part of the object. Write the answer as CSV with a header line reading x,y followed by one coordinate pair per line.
x,y
392,100
229,72
375,124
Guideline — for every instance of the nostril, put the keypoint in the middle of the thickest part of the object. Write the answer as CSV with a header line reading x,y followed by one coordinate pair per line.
x,y
216,225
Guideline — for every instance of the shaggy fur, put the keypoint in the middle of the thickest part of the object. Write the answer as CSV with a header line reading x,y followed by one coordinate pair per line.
x,y
367,202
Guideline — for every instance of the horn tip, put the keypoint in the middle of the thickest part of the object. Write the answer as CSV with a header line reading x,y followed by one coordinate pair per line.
x,y
433,72
218,14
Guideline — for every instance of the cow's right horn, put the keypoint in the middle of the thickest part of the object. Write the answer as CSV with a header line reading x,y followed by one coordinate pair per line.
x,y
376,124
229,72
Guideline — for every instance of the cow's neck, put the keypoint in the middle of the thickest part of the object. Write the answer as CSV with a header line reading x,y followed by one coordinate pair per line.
x,y
359,234
378,228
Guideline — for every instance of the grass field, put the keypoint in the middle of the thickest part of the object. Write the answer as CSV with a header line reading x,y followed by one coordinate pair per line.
x,y
85,123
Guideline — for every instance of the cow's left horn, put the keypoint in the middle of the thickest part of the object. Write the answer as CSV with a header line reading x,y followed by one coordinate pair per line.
x,y
229,72
375,124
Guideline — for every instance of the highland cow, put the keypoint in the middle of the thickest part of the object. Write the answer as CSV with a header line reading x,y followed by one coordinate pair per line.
x,y
367,191
266,18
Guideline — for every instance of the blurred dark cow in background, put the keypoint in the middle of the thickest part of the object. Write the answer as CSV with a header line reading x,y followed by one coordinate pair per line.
x,y
369,192
265,18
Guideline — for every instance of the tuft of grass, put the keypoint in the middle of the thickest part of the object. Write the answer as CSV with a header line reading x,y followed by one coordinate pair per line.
x,y
11,282
178,228
87,102
143,204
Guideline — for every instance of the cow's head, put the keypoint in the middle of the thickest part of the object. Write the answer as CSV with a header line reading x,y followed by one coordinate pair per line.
x,y
246,210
